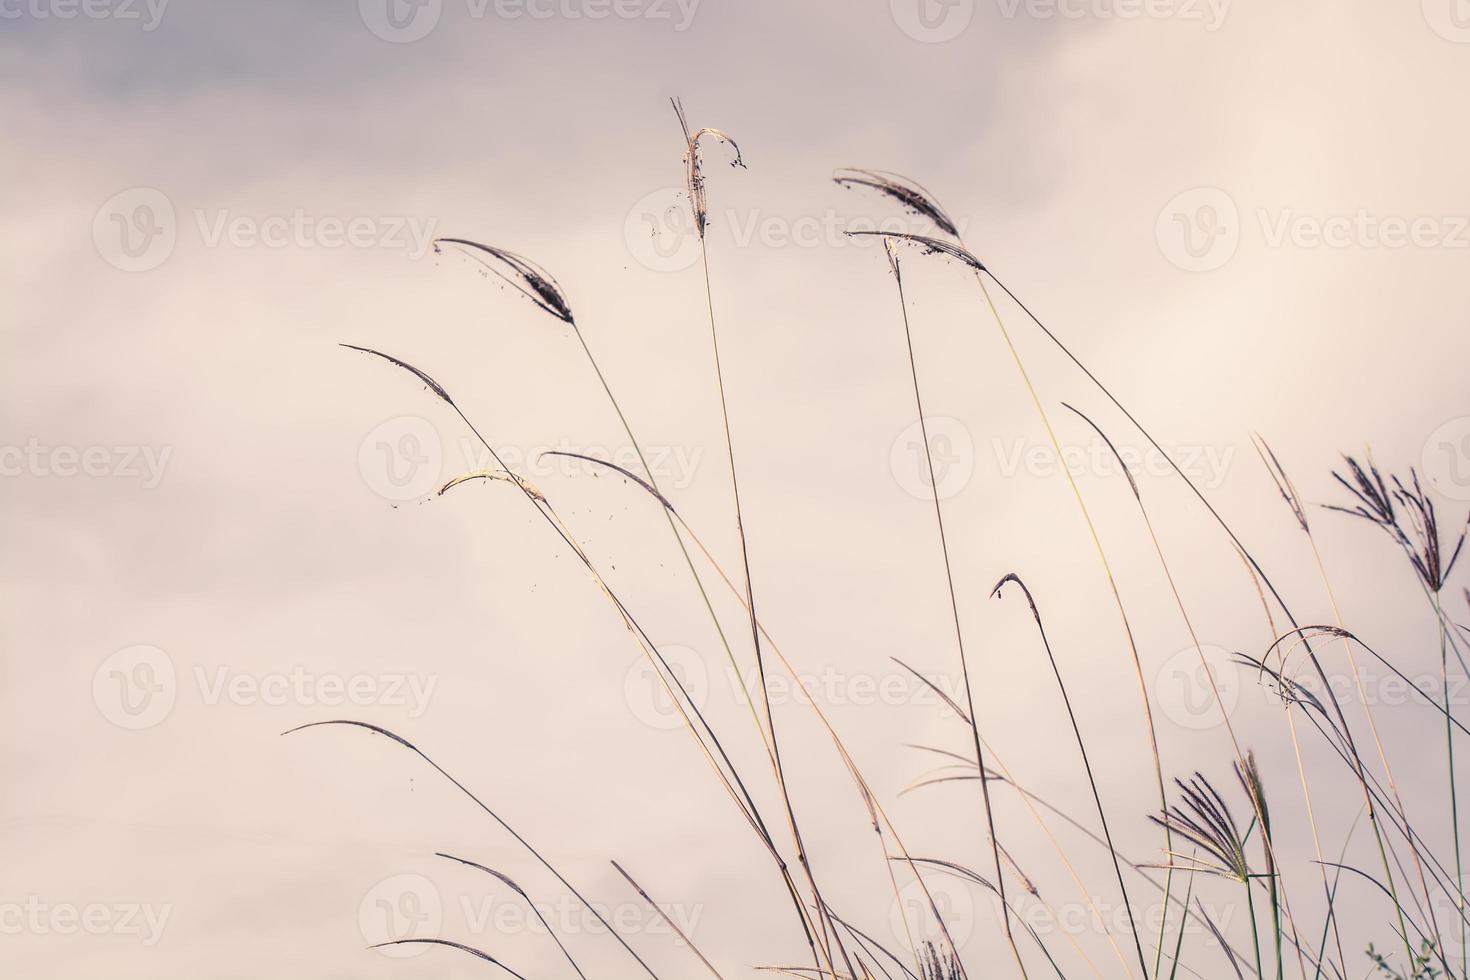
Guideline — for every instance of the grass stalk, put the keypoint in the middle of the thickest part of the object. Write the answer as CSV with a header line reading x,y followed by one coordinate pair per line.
x,y
954,606
1086,763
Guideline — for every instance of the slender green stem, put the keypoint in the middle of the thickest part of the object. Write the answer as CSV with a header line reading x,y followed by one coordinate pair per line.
x,y
1449,738
1250,904
1183,922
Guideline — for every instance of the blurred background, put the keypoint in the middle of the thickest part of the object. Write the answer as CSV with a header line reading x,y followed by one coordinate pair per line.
x,y
219,525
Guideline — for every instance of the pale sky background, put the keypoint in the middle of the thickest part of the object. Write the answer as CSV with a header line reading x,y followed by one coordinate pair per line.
x,y
228,559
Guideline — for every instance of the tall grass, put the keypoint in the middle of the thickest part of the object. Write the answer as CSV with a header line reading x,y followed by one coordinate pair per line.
x,y
1202,837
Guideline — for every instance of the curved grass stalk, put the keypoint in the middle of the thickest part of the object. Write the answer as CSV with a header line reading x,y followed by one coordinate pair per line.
x,y
667,921
743,798
494,816
546,294
1240,755
700,213
933,245
1026,794
509,883
1071,869
954,606
1086,762
1036,895
1330,924
1173,465
478,954
1372,790
1220,520
869,799
966,874
1289,493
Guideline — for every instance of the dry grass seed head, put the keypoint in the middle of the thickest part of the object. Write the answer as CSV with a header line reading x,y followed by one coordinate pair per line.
x,y
929,246
694,165
910,194
525,276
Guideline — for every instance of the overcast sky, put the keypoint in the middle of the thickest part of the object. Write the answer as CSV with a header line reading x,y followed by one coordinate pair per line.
x,y
1244,217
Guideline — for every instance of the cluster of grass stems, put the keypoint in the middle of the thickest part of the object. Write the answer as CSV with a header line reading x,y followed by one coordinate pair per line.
x,y
1205,831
